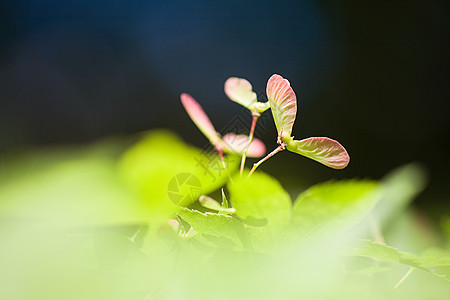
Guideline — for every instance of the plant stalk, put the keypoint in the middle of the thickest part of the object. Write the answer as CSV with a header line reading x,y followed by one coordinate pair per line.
x,y
250,139
404,277
219,150
277,149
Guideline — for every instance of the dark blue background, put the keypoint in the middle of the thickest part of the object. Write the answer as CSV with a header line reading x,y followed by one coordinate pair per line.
x,y
372,75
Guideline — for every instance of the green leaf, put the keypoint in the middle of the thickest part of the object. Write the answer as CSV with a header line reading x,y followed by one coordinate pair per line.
x,y
437,265
398,190
218,228
210,203
445,224
165,172
69,188
408,231
224,199
261,200
332,207
260,197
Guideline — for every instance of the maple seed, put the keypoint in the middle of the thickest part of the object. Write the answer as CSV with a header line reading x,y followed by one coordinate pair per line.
x,y
230,143
283,103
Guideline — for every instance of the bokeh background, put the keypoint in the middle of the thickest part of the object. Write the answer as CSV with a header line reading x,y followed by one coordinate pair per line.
x,y
373,75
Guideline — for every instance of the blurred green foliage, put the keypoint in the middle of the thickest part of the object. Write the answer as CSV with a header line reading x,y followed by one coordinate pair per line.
x,y
103,223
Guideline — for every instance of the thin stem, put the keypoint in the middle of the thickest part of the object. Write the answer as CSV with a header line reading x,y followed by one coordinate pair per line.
x,y
250,139
404,277
221,157
219,150
277,149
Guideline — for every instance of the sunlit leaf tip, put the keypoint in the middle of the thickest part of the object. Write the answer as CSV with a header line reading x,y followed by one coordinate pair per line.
x,y
210,203
199,117
240,91
283,103
321,149
237,143
224,199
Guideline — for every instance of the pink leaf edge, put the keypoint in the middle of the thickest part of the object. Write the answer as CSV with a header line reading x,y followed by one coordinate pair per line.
x,y
199,117
240,90
321,149
283,103
237,143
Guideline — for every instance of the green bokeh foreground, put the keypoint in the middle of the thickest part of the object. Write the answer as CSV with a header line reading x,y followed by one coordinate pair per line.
x,y
93,224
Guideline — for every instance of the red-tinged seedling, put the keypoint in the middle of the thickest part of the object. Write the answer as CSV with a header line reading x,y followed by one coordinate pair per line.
x,y
283,104
230,143
240,91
